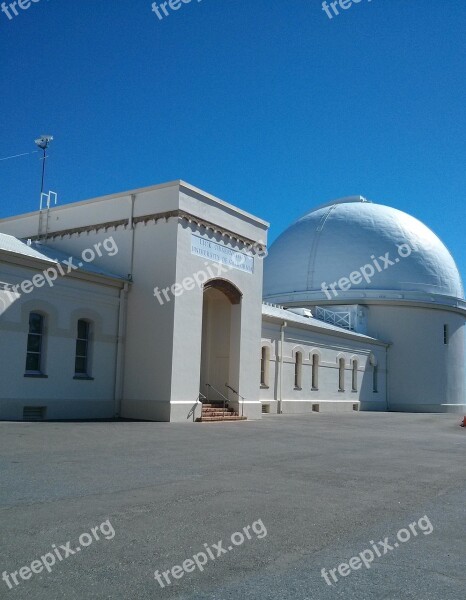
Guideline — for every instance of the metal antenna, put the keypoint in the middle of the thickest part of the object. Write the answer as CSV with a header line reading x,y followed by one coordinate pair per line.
x,y
43,143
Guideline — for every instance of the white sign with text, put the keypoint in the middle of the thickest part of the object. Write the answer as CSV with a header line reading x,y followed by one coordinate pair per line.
x,y
216,252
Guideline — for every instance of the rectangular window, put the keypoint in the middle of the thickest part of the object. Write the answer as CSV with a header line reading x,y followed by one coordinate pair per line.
x,y
298,370
35,343
354,379
264,366
341,375
315,372
445,334
82,349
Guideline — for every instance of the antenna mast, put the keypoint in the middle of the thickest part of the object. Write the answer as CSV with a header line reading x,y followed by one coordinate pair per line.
x,y
43,142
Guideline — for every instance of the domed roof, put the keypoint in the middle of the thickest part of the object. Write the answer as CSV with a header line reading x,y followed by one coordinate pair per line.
x,y
350,236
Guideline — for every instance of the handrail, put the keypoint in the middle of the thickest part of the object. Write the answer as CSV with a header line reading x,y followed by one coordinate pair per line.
x,y
239,396
220,394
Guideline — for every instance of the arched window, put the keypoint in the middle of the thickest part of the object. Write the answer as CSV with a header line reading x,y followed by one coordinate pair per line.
x,y
35,346
298,368
341,375
265,357
81,362
354,378
315,371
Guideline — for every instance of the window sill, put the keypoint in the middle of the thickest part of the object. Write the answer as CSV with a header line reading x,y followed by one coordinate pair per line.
x,y
36,375
84,377
264,387
314,389
297,388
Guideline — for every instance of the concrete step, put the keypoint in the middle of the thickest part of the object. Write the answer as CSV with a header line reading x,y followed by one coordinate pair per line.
x,y
218,413
217,419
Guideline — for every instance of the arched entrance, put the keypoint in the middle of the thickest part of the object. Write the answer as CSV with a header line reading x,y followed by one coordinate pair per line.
x,y
221,335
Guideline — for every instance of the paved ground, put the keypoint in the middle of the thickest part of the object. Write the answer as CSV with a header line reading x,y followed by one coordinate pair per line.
x,y
323,486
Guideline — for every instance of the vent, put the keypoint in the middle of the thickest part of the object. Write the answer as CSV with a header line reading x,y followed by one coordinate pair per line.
x,y
316,408
266,409
356,407
34,413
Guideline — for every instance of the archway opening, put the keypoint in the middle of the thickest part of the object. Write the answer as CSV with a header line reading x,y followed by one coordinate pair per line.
x,y
221,336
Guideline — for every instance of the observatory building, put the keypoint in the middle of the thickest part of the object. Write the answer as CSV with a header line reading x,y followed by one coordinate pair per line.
x,y
381,272
164,304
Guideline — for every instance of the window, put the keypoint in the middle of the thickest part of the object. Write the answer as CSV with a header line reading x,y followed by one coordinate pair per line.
x,y
315,371
341,375
298,370
354,379
445,334
264,366
81,364
34,355
375,379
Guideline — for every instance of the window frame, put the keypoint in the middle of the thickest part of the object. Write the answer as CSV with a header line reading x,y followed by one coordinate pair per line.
x,y
298,370
265,360
375,379
40,353
354,376
341,374
315,372
87,339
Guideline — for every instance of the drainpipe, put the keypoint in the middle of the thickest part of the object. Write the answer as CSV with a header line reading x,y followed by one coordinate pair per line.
x,y
282,340
387,374
120,353
131,227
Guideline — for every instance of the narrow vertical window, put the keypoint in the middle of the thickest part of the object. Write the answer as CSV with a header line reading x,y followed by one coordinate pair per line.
x,y
315,371
264,366
341,375
375,379
445,334
34,355
81,364
298,370
354,380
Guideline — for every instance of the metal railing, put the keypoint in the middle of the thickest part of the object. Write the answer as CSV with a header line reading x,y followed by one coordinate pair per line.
x,y
239,396
341,319
225,399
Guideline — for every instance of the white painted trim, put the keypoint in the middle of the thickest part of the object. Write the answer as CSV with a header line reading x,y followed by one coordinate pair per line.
x,y
318,401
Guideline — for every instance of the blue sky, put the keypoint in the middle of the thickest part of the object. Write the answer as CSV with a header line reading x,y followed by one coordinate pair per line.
x,y
268,104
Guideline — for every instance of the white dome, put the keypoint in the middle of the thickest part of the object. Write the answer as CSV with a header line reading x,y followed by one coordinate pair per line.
x,y
337,239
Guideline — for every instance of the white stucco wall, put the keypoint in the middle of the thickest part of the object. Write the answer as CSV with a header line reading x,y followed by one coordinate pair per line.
x,y
70,299
330,347
152,229
425,375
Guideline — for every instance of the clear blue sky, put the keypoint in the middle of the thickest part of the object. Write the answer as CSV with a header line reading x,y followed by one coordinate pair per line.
x,y
267,104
